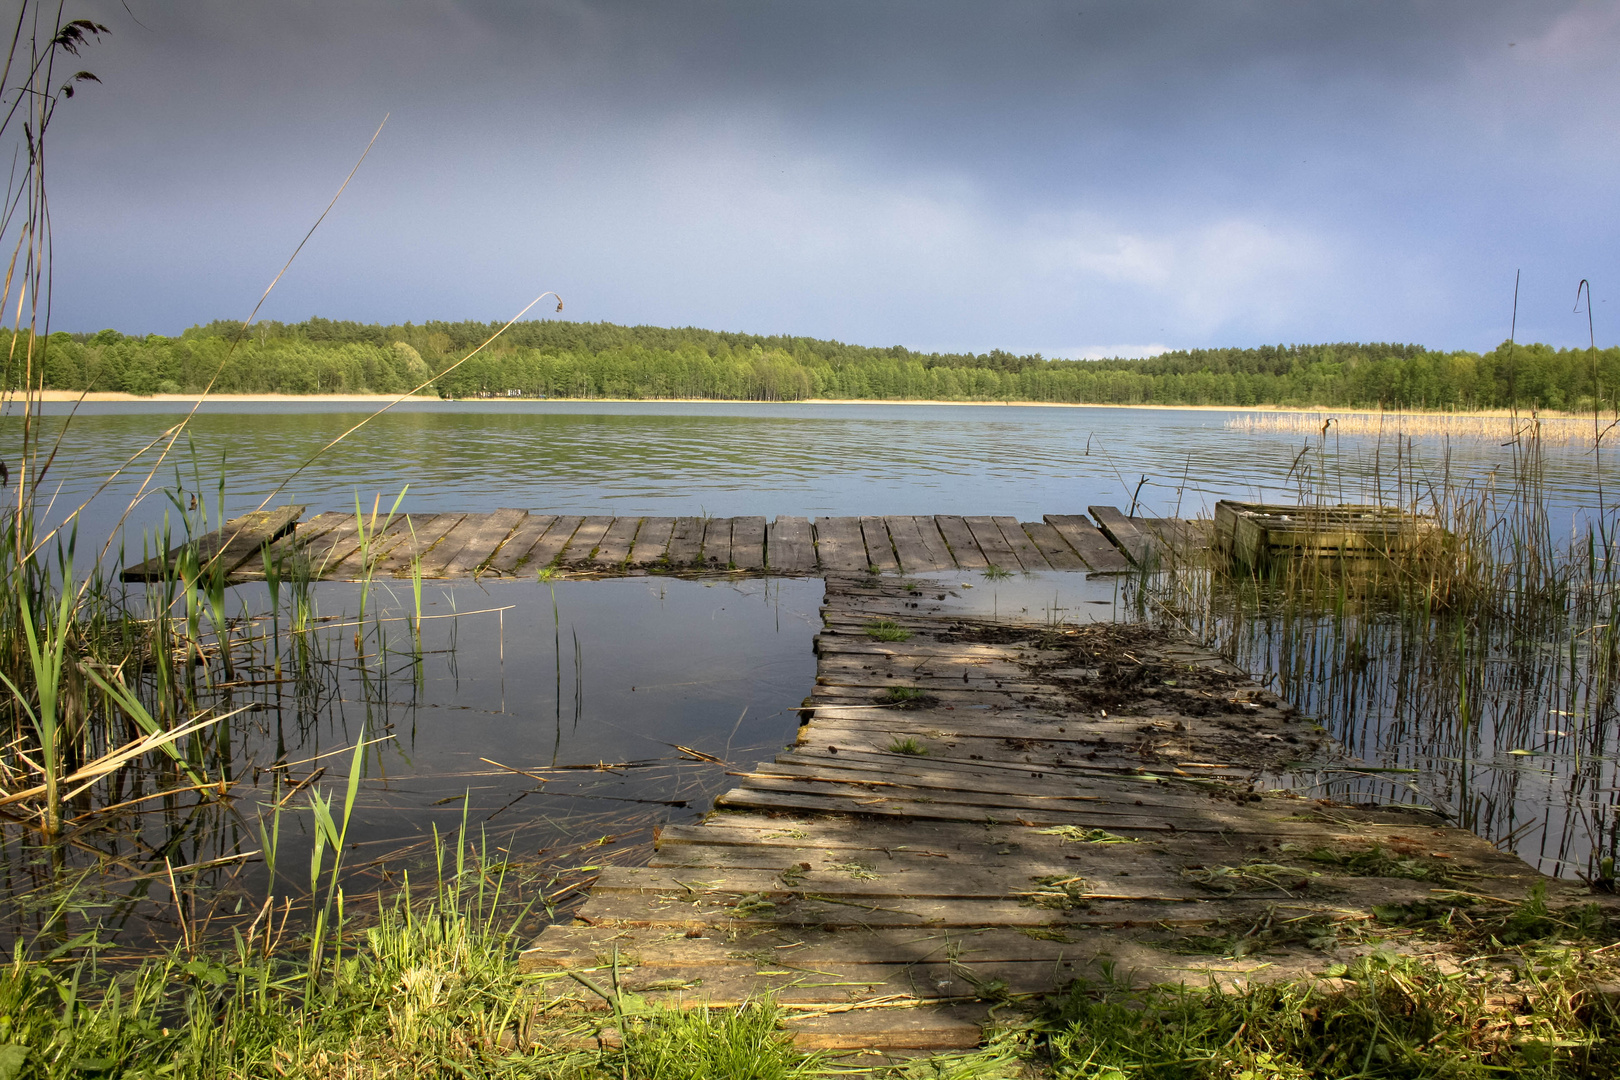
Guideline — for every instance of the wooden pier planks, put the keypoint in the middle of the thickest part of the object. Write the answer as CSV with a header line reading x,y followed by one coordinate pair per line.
x,y
878,872
790,546
518,545
686,542
651,540
1139,547
964,549
997,552
1090,544
748,543
614,549
1029,555
585,539
237,542
1056,550
454,545
879,547
840,545
717,544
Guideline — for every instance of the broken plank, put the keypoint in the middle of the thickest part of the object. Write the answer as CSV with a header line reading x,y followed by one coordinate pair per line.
x,y
1092,546
1139,548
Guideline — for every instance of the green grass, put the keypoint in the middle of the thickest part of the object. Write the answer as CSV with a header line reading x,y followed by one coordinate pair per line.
x,y
906,696
908,746
887,630
996,573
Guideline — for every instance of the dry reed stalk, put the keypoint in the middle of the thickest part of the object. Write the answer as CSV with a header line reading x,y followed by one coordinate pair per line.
x,y
1499,428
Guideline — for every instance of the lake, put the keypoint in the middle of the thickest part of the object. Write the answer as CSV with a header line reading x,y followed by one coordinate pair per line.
x,y
566,722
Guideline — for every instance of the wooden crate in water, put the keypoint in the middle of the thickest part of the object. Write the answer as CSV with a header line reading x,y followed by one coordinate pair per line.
x,y
1258,534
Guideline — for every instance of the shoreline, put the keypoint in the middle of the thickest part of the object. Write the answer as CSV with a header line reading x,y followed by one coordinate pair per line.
x,y
112,396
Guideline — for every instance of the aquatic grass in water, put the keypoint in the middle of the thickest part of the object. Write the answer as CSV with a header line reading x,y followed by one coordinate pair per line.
x,y
1485,659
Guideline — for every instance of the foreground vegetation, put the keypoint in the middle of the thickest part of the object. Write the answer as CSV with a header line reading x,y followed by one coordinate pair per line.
x,y
600,360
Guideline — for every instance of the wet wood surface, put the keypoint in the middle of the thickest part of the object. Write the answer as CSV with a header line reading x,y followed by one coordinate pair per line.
x,y
986,809
521,543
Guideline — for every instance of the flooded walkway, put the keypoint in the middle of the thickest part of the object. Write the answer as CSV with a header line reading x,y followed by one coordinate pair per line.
x,y
508,543
975,811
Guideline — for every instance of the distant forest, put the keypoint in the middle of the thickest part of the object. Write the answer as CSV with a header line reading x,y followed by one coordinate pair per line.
x,y
601,360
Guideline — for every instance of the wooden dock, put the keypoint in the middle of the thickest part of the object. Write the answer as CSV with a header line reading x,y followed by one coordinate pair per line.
x,y
520,543
986,810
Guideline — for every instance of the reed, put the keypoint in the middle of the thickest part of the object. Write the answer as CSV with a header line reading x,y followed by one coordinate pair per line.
x,y
1494,427
1485,659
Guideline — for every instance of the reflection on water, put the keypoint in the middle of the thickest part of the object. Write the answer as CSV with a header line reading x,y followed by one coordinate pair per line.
x,y
551,718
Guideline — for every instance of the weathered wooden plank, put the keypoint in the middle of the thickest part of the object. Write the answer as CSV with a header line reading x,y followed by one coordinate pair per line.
x,y
790,546
585,539
1091,545
717,544
423,536
237,541
517,546
380,537
964,548
748,543
997,551
908,545
450,545
614,549
481,544
879,548
686,542
839,545
1124,535
327,551
651,540
1052,545
1028,554
549,547
939,553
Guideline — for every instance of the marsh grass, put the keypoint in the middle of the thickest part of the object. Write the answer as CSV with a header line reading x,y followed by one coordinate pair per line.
x,y
887,630
1485,659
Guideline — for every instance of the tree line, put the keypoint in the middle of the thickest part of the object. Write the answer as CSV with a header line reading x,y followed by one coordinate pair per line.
x,y
557,359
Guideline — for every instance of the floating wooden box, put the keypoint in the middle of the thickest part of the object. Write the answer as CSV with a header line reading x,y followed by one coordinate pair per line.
x,y
1257,534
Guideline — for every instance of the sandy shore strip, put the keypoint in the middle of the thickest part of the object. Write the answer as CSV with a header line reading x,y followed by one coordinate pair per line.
x,y
1389,418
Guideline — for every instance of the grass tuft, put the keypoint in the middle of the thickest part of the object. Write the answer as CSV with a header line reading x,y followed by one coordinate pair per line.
x,y
887,630
908,746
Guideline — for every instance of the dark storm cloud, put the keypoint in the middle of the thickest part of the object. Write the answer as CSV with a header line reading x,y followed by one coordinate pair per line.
x,y
1038,176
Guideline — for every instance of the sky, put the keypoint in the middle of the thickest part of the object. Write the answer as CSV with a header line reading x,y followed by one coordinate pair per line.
x,y
1077,179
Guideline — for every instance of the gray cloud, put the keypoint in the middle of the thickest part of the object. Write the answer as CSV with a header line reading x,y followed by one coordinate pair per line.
x,y
1058,177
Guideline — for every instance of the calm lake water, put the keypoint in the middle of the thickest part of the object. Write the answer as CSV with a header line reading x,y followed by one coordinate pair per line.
x,y
556,716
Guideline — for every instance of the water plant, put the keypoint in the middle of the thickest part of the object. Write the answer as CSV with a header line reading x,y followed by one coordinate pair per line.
x,y
886,630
